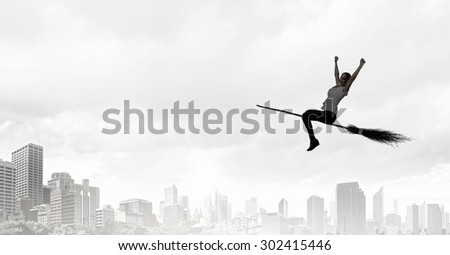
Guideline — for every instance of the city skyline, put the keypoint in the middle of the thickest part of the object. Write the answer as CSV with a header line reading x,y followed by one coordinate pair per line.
x,y
351,212
275,208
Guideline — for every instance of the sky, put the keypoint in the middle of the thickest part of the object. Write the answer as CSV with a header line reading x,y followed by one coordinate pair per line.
x,y
63,63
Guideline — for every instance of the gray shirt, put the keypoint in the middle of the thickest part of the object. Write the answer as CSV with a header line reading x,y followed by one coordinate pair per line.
x,y
335,95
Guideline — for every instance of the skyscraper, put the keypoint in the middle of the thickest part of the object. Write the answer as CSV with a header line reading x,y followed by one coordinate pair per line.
x,y
217,209
29,164
434,214
184,201
7,188
351,209
378,209
283,208
423,217
395,207
315,214
46,194
251,207
71,203
412,219
171,195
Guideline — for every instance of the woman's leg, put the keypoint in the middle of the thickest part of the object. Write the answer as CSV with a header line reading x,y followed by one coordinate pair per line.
x,y
307,117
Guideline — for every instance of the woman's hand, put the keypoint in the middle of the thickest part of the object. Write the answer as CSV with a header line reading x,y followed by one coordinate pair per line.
x,y
362,61
336,58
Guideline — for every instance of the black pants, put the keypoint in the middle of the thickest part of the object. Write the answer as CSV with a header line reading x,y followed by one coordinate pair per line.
x,y
326,117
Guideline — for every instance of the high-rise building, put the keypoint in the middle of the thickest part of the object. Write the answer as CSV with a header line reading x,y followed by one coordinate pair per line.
x,y
104,216
395,207
7,188
71,203
351,209
217,209
171,196
434,214
222,208
446,222
378,210
251,207
29,164
315,214
184,201
46,194
141,206
333,213
161,211
423,217
412,219
283,208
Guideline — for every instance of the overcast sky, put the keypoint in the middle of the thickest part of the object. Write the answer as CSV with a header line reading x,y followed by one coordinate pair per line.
x,y
65,62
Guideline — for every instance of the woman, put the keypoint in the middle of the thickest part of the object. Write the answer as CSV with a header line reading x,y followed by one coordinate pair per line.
x,y
335,95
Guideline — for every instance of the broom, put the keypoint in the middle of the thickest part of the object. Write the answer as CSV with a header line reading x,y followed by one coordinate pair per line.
x,y
377,135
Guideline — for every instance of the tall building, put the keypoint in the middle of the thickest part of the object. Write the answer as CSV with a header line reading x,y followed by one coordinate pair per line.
x,y
46,194
283,208
161,211
251,207
333,213
217,209
351,209
378,210
7,188
171,196
395,207
29,164
139,206
412,219
71,203
423,217
184,201
434,219
223,208
315,214
104,216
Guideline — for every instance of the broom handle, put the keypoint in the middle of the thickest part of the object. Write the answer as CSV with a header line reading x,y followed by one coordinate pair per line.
x,y
292,113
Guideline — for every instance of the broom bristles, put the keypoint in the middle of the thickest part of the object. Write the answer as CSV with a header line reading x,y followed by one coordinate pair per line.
x,y
379,135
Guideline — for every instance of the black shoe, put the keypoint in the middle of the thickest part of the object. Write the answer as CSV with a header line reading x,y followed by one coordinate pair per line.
x,y
313,144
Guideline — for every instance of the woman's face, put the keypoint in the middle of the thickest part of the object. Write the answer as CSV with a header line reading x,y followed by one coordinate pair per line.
x,y
344,78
